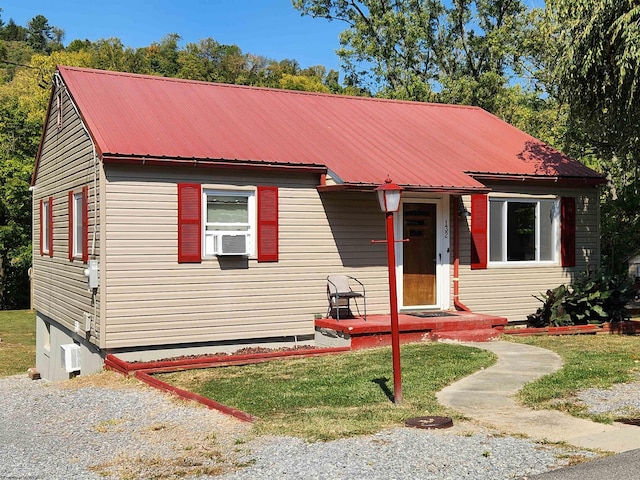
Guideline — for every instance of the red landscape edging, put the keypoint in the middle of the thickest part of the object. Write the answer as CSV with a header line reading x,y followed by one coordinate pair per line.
x,y
201,362
623,328
212,404
144,371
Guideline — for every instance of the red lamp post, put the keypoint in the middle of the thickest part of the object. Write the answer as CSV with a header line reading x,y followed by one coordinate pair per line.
x,y
389,198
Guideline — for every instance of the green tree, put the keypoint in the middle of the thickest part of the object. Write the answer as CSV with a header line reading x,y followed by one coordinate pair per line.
x,y
162,58
17,148
77,45
15,233
13,32
214,62
39,34
597,74
304,83
424,49
22,109
110,54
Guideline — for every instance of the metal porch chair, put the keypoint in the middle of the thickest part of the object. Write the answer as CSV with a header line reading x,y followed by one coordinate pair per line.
x,y
339,290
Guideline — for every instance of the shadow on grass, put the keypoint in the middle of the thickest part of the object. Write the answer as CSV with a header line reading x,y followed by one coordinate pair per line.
x,y
382,383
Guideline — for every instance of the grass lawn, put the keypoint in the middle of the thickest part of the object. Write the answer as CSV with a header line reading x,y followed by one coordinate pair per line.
x,y
598,361
321,398
18,345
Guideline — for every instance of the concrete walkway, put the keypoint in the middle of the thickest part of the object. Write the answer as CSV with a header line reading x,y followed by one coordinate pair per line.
x,y
488,397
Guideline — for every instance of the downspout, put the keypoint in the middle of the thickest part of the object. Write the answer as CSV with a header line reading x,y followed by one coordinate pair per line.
x,y
95,196
456,259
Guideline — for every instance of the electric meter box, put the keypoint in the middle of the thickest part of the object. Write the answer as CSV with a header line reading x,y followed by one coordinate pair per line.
x,y
92,272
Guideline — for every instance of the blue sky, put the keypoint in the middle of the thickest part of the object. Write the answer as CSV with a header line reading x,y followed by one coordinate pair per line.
x,y
272,28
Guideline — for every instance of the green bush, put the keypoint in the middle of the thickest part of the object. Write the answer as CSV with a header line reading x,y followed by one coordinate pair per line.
x,y
592,298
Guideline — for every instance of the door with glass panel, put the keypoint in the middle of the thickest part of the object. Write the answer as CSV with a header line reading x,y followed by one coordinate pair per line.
x,y
419,285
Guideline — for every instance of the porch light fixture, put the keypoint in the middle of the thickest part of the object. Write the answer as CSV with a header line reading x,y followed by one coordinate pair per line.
x,y
389,198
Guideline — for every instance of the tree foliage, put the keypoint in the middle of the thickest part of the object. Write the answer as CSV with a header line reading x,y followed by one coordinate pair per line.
x,y
42,37
597,75
462,51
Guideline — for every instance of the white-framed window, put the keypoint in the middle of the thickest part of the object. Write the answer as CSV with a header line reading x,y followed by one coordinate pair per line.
x,y
229,218
524,230
45,231
78,209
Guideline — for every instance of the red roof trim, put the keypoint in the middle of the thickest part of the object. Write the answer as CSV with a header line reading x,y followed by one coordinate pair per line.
x,y
212,163
358,187
559,180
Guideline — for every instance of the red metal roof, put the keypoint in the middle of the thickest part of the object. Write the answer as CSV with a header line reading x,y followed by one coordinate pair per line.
x,y
359,140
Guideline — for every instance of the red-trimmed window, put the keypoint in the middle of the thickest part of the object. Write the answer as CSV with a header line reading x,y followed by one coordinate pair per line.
x,y
41,230
59,109
70,216
79,225
85,224
227,222
46,226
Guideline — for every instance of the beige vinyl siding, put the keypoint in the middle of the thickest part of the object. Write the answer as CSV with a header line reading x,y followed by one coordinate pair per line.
x,y
508,290
154,300
66,164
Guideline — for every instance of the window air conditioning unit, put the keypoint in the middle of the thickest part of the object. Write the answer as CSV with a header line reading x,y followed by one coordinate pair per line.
x,y
70,357
232,244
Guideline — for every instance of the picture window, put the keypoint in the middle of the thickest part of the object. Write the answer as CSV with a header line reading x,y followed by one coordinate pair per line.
x,y
523,230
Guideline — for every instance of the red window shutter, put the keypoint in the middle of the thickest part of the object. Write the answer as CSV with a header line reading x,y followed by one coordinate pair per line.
x,y
41,223
70,221
51,226
85,224
568,231
267,224
189,223
479,206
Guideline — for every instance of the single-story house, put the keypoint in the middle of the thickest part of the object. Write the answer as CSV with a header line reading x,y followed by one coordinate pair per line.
x,y
174,217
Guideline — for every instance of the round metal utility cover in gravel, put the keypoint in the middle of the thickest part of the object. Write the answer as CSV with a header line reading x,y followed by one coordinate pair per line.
x,y
429,422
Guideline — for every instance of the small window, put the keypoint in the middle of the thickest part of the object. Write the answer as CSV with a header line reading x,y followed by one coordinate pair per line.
x,y
523,230
229,222
46,227
59,109
78,225
78,209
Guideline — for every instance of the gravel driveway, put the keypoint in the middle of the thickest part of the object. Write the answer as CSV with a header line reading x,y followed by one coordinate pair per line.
x,y
108,427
